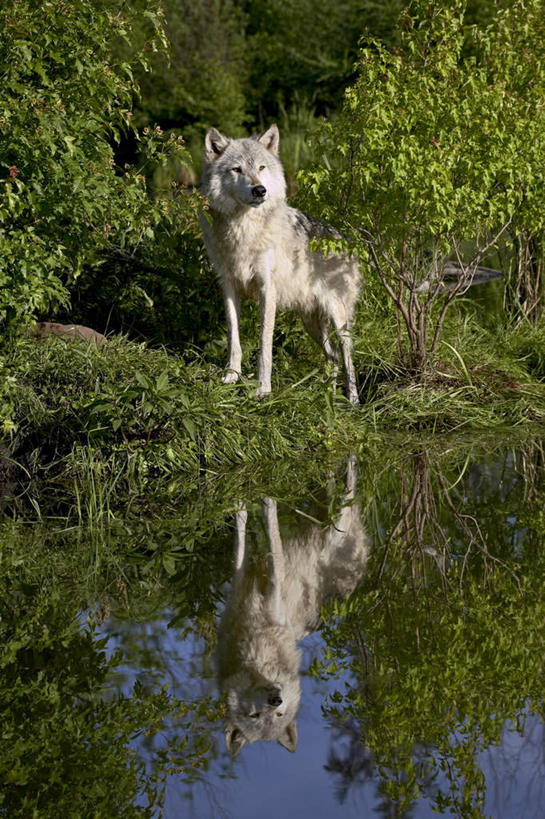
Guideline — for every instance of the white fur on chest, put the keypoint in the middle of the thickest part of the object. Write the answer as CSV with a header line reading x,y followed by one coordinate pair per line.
x,y
248,251
260,248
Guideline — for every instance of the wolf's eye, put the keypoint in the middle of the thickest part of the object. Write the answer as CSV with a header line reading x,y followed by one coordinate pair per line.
x,y
262,167
237,169
254,716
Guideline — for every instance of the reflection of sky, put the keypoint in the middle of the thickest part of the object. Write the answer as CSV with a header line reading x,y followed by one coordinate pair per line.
x,y
268,782
515,773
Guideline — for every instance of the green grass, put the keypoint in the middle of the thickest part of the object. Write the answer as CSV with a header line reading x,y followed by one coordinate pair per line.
x,y
101,427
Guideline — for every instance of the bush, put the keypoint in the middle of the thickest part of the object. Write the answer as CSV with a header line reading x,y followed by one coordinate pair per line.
x,y
201,82
65,101
435,158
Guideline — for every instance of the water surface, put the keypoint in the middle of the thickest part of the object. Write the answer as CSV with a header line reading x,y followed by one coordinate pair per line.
x,y
411,582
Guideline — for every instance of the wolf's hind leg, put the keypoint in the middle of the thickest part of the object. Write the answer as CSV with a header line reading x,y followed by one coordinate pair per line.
x,y
317,328
344,331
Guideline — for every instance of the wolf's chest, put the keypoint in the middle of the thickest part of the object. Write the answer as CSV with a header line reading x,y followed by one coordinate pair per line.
x,y
245,250
251,251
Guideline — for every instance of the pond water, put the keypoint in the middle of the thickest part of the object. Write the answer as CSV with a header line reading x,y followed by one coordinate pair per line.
x,y
371,646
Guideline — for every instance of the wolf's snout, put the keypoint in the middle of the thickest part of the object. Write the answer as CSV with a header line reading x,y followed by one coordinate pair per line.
x,y
275,700
258,191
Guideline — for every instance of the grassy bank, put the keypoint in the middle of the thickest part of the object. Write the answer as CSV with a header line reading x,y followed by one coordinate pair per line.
x,y
125,413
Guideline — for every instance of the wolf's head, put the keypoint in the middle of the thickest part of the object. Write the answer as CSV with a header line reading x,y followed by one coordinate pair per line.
x,y
243,173
261,711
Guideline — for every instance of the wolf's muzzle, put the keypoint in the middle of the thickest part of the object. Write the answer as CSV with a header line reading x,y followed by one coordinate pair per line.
x,y
258,192
274,696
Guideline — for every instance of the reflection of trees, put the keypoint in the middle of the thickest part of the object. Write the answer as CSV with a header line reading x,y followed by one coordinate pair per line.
x,y
446,637
522,761
433,521
65,751
352,766
69,745
348,759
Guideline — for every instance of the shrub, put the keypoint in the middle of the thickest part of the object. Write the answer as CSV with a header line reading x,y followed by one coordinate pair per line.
x,y
65,100
435,159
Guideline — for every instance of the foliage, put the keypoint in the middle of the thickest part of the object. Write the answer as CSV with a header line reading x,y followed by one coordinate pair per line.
x,y
162,291
441,641
64,102
68,749
202,80
512,52
235,64
238,65
434,163
287,66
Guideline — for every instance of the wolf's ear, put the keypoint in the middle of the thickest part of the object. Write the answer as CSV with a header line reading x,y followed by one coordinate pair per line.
x,y
214,144
270,139
288,740
234,739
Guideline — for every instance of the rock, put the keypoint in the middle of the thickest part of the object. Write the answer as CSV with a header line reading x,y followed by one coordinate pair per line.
x,y
45,329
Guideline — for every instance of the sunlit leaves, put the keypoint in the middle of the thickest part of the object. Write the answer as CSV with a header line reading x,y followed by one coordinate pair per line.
x,y
445,633
65,100
439,149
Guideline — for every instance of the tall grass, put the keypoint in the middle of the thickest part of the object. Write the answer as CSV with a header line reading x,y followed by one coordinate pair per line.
x,y
104,427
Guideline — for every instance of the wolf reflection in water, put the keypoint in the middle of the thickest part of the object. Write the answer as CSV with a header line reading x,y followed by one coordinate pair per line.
x,y
274,602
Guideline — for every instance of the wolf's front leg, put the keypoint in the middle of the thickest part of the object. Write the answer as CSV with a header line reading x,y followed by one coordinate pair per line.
x,y
241,518
277,576
267,302
232,311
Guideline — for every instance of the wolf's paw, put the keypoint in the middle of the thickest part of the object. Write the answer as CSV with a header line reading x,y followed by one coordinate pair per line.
x,y
230,377
262,391
354,398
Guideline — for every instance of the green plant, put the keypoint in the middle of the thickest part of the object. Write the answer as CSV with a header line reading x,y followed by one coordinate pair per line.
x,y
440,641
433,162
71,739
64,103
512,51
202,80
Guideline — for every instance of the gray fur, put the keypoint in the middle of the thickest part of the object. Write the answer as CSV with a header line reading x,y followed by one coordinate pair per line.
x,y
275,601
260,248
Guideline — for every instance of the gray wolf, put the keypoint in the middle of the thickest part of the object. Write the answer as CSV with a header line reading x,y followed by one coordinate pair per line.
x,y
260,248
275,601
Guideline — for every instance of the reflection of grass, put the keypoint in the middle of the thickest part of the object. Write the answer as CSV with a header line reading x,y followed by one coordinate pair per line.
x,y
119,420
